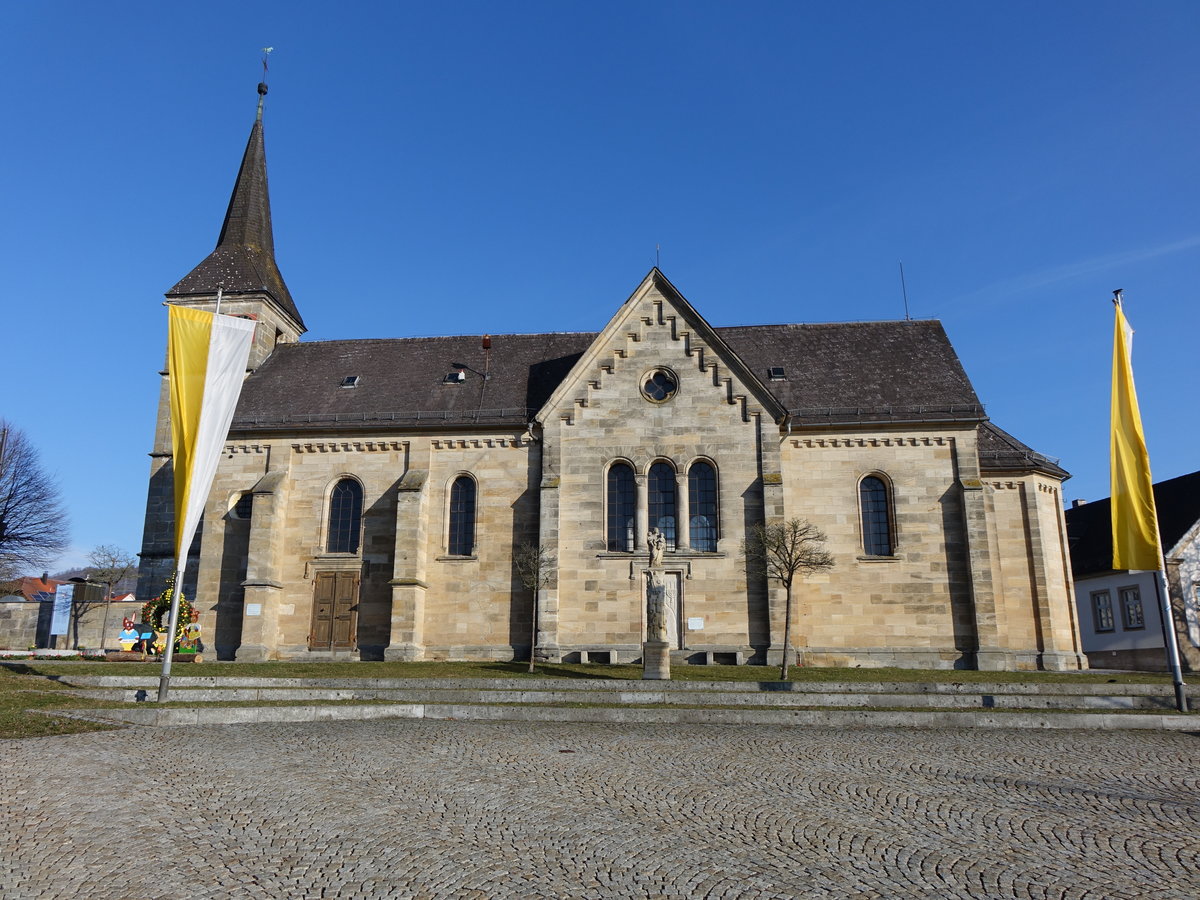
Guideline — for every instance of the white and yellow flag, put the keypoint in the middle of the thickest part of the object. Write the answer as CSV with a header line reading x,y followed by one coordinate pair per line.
x,y
1134,523
206,358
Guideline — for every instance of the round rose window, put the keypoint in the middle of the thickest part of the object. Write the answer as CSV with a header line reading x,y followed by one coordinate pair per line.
x,y
660,386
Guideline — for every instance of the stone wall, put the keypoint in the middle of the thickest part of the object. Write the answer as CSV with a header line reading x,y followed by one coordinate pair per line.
x,y
911,607
24,624
602,418
18,624
1035,608
976,575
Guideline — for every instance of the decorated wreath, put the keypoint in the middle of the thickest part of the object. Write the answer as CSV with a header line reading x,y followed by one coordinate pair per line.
x,y
157,612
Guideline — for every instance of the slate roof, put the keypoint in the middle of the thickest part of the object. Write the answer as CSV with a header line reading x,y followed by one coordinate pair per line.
x,y
1089,527
244,259
859,372
1000,451
401,381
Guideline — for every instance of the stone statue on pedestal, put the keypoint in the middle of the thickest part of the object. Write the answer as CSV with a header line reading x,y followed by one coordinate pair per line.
x,y
656,659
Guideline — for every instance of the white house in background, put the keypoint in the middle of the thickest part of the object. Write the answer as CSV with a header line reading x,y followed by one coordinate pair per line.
x,y
1119,619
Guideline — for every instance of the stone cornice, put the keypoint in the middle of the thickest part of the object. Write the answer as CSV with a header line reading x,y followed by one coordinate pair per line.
x,y
869,441
348,446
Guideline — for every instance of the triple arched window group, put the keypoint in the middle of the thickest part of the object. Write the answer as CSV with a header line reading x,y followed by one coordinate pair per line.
x,y
694,525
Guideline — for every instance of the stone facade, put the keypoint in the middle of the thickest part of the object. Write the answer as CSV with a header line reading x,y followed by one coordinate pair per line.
x,y
977,576
787,422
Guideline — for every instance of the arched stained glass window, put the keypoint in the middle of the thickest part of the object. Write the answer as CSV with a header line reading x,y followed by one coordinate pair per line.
x,y
622,500
462,517
876,516
702,506
662,501
345,517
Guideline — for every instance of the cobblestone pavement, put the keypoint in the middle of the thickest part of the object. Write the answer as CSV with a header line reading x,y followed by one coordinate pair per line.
x,y
425,809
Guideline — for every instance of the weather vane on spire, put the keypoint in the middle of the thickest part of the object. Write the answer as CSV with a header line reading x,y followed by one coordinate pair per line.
x,y
262,85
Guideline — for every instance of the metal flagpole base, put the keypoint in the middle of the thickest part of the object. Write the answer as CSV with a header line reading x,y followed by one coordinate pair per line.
x,y
164,684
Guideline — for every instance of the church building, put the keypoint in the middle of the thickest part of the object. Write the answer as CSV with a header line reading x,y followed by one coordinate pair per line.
x,y
374,495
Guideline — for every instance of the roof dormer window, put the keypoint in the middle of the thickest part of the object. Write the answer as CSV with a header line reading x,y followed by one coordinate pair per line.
x,y
776,373
350,381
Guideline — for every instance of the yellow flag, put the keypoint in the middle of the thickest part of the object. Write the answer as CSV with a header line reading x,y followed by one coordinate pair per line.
x,y
1134,523
206,358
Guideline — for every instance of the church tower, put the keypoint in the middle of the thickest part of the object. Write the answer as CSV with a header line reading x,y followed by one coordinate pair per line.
x,y
240,275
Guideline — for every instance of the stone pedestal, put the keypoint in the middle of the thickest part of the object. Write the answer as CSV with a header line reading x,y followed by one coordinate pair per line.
x,y
656,650
656,661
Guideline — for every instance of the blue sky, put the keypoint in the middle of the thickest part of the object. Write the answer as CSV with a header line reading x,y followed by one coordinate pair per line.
x,y
484,167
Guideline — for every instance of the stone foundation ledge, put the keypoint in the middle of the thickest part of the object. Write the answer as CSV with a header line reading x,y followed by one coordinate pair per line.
x,y
51,654
167,717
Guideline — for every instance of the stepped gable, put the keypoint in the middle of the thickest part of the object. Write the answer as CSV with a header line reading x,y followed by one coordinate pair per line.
x,y
1089,527
1000,451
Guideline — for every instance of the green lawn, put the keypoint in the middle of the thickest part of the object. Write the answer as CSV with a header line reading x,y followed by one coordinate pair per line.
x,y
565,670
22,694
21,697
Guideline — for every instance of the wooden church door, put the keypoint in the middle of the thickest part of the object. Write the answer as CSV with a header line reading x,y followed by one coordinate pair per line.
x,y
335,604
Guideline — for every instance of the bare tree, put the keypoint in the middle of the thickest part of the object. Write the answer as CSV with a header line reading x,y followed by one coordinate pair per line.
x,y
780,551
110,566
33,524
535,567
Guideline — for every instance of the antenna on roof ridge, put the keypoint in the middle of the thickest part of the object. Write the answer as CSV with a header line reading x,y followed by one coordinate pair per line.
x,y
904,291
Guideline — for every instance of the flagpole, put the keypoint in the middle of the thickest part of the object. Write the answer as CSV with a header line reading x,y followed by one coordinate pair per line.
x,y
1136,537
206,357
1168,627
1164,610
164,680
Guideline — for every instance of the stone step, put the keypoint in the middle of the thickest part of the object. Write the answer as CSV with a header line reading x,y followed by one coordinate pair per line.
x,y
715,696
154,715
1066,689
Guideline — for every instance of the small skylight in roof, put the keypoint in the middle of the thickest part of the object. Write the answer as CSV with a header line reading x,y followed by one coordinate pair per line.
x,y
456,377
350,381
776,373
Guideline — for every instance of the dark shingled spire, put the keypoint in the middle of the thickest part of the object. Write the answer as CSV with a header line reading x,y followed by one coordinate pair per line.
x,y
244,259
